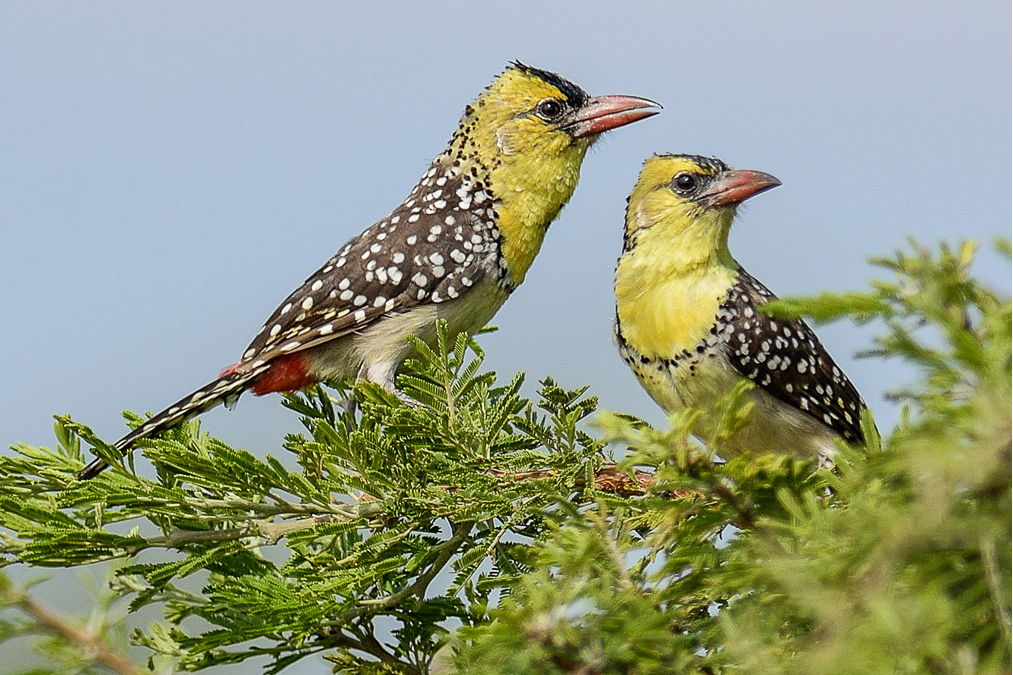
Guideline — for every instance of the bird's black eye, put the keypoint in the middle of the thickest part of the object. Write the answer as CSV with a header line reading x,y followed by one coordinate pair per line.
x,y
549,109
684,183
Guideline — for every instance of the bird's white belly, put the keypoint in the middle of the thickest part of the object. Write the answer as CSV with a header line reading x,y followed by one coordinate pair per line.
x,y
376,352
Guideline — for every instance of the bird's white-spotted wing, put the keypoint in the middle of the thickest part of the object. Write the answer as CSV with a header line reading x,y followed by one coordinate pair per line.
x,y
435,246
786,359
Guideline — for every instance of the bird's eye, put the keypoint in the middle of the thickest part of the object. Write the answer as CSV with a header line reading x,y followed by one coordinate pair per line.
x,y
549,109
684,183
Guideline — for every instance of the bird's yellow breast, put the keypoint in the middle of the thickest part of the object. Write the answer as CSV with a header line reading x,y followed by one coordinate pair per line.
x,y
526,212
662,314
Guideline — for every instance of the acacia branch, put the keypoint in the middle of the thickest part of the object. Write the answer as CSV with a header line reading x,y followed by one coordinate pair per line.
x,y
610,479
447,551
418,587
270,530
90,643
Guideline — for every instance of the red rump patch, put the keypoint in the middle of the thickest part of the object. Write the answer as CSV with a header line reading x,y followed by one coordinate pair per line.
x,y
287,373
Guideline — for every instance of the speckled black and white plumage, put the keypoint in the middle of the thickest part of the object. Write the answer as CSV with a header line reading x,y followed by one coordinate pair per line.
x,y
433,248
690,326
801,394
441,242
453,251
786,359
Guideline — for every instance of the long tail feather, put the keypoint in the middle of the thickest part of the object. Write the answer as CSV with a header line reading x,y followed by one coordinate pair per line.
x,y
225,389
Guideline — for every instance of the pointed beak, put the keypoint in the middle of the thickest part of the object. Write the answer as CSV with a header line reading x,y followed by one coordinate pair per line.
x,y
602,113
735,186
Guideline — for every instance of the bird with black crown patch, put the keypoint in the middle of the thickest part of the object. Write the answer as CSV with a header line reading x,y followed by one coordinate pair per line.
x,y
455,249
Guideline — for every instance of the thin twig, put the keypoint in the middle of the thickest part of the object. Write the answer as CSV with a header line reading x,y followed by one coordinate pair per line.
x,y
995,585
610,478
90,643
447,551
373,646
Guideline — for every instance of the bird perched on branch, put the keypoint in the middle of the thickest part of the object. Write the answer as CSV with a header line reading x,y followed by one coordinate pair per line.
x,y
455,249
687,319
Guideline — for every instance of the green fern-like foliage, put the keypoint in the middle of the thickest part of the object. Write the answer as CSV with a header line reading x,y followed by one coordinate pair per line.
x,y
896,561
406,516
475,531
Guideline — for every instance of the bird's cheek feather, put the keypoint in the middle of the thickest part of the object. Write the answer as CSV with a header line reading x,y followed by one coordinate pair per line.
x,y
503,141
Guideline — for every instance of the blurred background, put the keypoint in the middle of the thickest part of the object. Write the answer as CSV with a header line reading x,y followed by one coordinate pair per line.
x,y
170,172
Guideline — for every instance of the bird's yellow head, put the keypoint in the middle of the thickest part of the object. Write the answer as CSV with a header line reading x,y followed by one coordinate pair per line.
x,y
683,205
676,268
529,132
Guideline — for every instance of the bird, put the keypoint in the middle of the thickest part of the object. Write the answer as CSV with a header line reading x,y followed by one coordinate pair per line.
x,y
688,321
453,250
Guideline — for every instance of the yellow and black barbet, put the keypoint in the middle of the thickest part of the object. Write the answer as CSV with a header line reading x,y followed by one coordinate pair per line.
x,y
455,249
687,319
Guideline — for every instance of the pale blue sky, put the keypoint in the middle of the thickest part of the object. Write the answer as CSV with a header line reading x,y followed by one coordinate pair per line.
x,y
169,172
